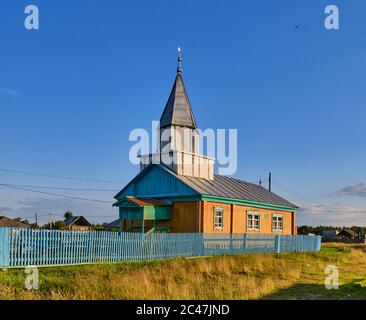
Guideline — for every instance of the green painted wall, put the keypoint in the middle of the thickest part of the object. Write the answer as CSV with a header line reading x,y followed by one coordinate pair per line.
x,y
131,213
158,213
146,213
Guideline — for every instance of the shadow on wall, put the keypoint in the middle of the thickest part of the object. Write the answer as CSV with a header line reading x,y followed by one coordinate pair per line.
x,y
355,290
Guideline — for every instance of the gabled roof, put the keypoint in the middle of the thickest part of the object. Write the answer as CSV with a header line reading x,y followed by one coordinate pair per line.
x,y
178,110
221,187
129,189
142,202
7,222
113,224
226,187
350,232
79,221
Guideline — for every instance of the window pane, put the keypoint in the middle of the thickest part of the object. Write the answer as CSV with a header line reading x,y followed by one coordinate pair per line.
x,y
277,221
249,221
253,221
218,218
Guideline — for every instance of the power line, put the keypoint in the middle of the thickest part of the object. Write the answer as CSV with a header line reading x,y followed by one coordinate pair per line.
x,y
57,176
58,188
85,215
55,194
291,192
61,215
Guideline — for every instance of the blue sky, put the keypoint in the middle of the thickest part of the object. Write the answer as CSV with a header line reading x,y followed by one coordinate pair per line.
x,y
71,92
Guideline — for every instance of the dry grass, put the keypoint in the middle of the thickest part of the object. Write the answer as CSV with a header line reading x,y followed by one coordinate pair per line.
x,y
257,276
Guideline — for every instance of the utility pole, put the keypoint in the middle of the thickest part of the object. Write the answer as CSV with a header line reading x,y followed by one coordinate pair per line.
x,y
36,217
260,181
270,182
50,220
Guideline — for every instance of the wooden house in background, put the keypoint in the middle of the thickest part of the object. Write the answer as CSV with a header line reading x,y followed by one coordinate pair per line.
x,y
186,196
78,224
345,235
348,234
112,226
7,222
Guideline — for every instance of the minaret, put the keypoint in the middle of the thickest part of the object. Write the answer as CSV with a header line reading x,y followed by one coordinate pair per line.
x,y
177,123
178,136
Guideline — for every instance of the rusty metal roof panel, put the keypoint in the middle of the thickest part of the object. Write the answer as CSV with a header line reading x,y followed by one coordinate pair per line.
x,y
147,202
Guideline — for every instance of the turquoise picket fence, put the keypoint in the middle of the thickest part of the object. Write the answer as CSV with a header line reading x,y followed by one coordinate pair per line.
x,y
27,247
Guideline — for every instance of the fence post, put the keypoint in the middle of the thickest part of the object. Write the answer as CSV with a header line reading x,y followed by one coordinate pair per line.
x,y
231,244
202,244
245,242
318,243
5,247
278,243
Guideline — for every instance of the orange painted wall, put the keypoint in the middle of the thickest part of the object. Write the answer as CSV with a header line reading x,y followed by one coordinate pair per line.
x,y
235,219
185,217
199,217
240,218
208,217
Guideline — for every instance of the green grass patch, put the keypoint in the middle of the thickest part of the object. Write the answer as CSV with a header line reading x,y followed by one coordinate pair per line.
x,y
256,276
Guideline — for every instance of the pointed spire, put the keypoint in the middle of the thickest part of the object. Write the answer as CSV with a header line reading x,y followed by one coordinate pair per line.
x,y
178,110
179,69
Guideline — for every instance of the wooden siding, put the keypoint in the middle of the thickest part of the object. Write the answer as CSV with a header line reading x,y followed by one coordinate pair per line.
x,y
208,217
131,213
28,247
157,183
147,213
185,217
235,219
240,217
157,212
199,217
79,228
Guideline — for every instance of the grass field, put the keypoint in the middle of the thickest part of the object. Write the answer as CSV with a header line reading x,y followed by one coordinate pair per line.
x,y
257,276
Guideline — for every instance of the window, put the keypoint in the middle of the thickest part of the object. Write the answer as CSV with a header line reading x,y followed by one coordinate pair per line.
x,y
218,219
277,223
253,221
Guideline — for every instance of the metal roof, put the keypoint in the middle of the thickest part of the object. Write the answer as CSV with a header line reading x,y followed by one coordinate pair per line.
x,y
147,202
225,187
178,110
142,202
220,186
80,221
350,232
113,224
